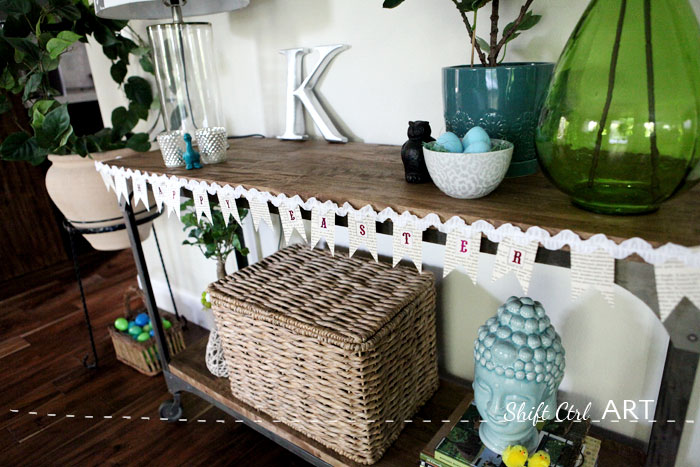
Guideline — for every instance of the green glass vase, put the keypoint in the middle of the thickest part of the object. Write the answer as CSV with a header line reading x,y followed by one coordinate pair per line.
x,y
619,129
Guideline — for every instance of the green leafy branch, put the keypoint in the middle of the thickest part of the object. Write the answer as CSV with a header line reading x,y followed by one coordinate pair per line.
x,y
214,239
34,36
489,51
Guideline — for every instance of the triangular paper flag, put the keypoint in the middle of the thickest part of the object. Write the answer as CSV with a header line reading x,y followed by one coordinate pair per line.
x,y
140,192
462,250
201,204
260,211
323,225
108,180
227,203
120,187
595,270
519,259
362,232
172,198
291,221
675,280
159,194
408,242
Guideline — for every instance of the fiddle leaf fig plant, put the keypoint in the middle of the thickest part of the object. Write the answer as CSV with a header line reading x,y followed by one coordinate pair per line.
x,y
33,37
489,50
214,239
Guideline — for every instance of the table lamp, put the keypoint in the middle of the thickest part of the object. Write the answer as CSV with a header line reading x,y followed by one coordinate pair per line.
x,y
184,69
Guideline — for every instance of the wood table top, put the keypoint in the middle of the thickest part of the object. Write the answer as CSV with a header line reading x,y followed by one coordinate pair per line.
x,y
367,174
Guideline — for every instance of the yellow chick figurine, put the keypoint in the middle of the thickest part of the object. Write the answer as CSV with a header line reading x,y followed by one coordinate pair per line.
x,y
515,456
539,459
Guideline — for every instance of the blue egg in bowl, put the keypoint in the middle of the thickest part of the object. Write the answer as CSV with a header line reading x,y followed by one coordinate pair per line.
x,y
469,174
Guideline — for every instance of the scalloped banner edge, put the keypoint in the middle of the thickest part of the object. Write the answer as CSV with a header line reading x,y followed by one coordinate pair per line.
x,y
636,245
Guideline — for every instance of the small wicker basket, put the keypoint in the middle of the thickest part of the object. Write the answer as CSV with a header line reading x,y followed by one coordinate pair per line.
x,y
340,349
143,356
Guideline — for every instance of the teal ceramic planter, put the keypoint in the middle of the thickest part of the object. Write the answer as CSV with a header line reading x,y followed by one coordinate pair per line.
x,y
505,101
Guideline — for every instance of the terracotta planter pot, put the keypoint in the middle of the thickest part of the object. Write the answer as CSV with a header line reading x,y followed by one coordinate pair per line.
x,y
78,191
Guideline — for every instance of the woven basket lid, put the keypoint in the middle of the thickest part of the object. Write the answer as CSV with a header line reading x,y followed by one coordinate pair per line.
x,y
340,299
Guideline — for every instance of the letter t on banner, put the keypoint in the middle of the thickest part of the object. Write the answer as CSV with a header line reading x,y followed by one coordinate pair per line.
x,y
516,258
408,242
323,225
362,232
461,250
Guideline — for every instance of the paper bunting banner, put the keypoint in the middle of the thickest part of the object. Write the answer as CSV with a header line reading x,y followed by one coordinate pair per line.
x,y
674,280
408,243
291,220
108,180
201,204
120,188
462,250
227,203
362,232
172,198
513,257
323,225
595,270
140,192
260,211
159,194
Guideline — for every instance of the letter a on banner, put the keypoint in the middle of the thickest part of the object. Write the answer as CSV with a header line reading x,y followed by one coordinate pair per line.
x,y
462,250
201,204
159,194
323,225
227,203
291,221
408,242
362,232
519,259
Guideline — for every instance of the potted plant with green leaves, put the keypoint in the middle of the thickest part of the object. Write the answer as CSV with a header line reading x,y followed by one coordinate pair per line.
x,y
34,36
503,98
216,239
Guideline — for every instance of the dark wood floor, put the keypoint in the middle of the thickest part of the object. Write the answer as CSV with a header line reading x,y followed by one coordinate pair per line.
x,y
42,342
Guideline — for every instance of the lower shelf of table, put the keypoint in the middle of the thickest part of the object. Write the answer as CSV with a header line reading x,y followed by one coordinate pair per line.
x,y
189,367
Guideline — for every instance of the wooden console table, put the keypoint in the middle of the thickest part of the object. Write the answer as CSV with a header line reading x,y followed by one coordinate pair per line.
x,y
363,174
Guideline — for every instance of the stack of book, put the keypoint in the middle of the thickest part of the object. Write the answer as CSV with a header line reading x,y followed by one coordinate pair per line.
x,y
457,443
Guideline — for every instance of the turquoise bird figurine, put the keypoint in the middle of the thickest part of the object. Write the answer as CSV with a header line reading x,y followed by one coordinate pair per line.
x,y
191,156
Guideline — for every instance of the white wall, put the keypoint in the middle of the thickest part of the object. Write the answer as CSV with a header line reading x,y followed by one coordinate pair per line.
x,y
390,75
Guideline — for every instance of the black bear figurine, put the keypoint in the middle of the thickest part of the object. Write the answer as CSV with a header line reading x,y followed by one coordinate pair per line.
x,y
412,152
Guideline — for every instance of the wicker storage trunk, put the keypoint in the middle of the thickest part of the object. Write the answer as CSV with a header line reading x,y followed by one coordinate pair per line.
x,y
332,346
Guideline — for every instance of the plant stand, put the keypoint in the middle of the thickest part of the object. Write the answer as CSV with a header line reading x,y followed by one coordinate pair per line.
x,y
72,231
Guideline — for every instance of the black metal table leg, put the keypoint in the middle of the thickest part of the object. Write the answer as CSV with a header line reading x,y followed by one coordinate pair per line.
x,y
165,272
76,266
142,268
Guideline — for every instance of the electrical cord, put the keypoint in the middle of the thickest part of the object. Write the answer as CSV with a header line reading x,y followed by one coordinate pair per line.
x,y
252,135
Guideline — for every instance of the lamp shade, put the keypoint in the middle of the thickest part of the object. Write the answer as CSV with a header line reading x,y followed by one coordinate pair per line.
x,y
156,9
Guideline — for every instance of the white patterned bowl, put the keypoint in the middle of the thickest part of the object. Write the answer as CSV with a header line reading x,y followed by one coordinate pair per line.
x,y
469,176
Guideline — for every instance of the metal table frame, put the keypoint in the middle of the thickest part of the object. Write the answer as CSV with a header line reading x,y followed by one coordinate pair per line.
x,y
683,327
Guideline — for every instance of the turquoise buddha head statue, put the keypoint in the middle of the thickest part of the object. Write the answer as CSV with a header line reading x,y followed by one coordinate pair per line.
x,y
519,363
